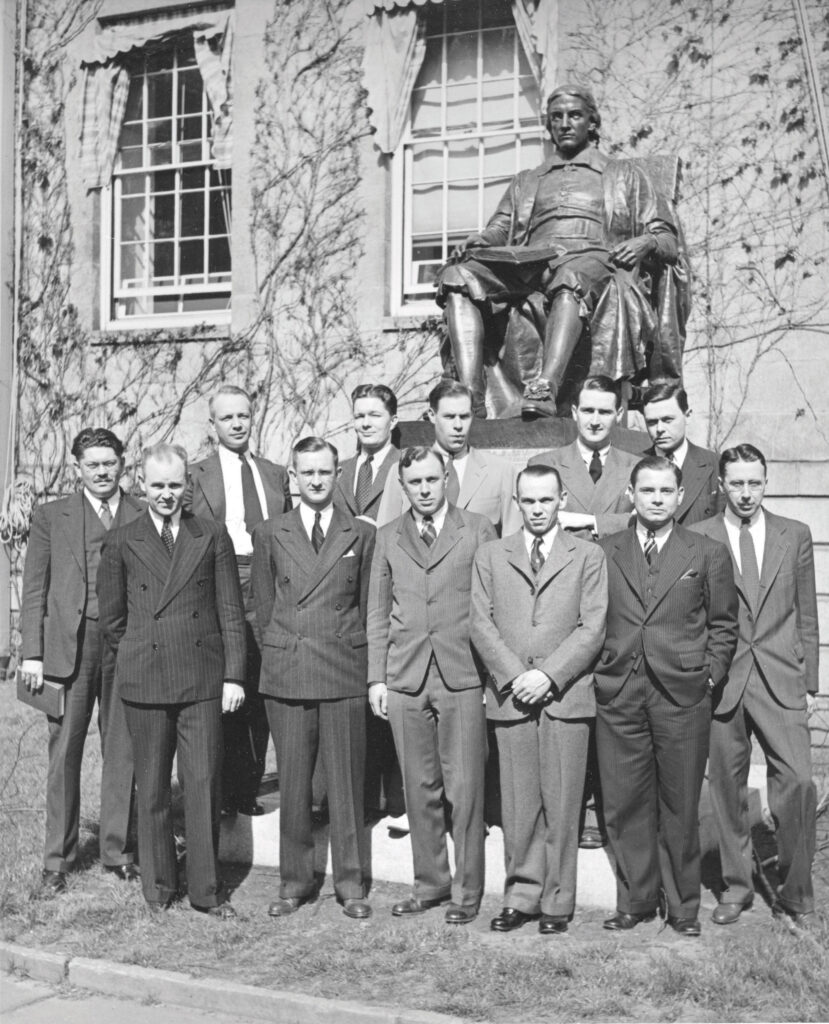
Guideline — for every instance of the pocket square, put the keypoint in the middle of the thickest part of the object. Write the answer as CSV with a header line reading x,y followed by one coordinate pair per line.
x,y
690,575
349,554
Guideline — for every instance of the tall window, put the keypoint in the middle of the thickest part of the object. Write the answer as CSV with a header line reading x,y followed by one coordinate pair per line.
x,y
171,209
475,122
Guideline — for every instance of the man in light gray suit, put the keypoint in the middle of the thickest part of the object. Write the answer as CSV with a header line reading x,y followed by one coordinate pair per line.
x,y
539,603
477,481
769,692
424,678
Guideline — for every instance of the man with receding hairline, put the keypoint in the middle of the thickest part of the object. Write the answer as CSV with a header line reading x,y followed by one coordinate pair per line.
x,y
172,614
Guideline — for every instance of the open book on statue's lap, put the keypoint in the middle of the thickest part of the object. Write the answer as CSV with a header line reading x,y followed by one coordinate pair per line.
x,y
50,700
514,255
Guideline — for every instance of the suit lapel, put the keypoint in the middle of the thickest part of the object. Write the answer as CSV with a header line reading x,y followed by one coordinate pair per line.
x,y
625,555
611,483
773,555
576,478
450,534
518,558
409,540
675,559
292,537
342,535
129,509
212,484
347,485
474,475
187,554
382,471
561,554
73,528
274,498
148,548
693,479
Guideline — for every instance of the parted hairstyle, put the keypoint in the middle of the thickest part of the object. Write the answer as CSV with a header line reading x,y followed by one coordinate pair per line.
x,y
655,462
536,471
417,453
385,394
314,444
663,390
598,382
448,389
741,453
96,437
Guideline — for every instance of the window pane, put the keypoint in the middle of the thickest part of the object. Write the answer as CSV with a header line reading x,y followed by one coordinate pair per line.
x,y
463,159
532,152
427,163
133,219
163,222
159,95
498,53
427,208
499,103
163,265
132,135
132,158
529,101
462,58
218,220
499,158
132,183
462,211
165,304
426,104
192,214
218,256
431,71
191,259
493,192
496,12
190,127
462,17
132,265
204,303
191,152
192,178
462,106
133,110
190,92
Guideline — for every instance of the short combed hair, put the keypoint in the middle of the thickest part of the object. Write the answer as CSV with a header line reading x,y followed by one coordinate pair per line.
x,y
227,389
599,382
448,389
96,437
663,391
741,453
655,462
535,472
163,452
380,391
314,444
417,453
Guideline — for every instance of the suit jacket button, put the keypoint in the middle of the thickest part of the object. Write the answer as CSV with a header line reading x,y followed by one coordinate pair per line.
x,y
286,579
157,616
143,586
338,608
529,661
155,647
350,579
339,636
198,643
195,615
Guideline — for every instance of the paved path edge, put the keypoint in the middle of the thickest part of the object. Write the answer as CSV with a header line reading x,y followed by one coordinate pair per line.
x,y
127,981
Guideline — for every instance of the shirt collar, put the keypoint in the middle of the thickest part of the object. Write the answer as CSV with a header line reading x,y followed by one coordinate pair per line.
x,y
175,519
231,458
737,521
587,452
96,502
377,457
680,453
588,157
547,539
438,518
447,456
662,533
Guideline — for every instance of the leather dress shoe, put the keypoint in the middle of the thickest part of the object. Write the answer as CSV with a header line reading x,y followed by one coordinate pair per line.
x,y
284,905
509,919
622,922
126,872
224,911
415,906
359,909
687,926
728,913
53,881
461,914
252,809
551,924
592,838
797,918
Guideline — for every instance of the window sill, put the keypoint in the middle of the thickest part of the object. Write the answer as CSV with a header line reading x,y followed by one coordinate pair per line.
x,y
149,331
428,318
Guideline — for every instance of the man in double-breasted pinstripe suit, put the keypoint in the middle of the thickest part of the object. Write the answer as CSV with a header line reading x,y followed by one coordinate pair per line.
x,y
171,610
671,635
310,588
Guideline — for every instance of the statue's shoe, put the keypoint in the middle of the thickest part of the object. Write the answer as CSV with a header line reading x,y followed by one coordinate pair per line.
x,y
539,400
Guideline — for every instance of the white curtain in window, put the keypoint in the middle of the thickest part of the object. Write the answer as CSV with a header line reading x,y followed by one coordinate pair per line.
x,y
213,56
395,49
106,82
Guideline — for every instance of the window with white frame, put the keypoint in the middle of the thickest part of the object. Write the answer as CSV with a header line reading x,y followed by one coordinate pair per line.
x,y
475,121
170,215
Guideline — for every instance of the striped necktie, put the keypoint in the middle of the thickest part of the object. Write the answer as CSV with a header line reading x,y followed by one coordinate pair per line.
x,y
650,547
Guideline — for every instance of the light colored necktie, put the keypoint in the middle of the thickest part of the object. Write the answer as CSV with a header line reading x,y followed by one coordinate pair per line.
x,y
748,562
453,484
536,556
106,515
428,532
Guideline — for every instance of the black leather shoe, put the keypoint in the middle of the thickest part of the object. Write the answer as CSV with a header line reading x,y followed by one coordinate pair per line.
x,y
687,926
358,909
622,922
550,924
798,919
224,911
284,905
54,882
126,872
509,919
252,810
415,906
592,838
728,913
459,914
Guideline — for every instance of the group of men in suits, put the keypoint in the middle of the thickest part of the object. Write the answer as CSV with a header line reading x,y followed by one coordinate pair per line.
x,y
591,598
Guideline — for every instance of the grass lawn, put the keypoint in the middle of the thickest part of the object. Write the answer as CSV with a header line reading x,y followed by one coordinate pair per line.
x,y
755,970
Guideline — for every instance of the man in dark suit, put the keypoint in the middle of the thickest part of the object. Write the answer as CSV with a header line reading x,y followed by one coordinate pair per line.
x,y
665,407
239,489
539,602
424,678
310,582
671,635
359,491
172,614
769,692
61,641
595,474
478,481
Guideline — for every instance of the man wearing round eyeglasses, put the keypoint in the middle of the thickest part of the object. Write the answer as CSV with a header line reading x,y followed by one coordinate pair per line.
x,y
769,692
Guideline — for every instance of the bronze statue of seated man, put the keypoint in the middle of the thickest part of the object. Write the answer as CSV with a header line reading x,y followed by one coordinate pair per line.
x,y
574,235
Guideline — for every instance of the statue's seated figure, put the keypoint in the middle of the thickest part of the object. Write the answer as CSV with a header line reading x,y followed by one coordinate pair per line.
x,y
584,243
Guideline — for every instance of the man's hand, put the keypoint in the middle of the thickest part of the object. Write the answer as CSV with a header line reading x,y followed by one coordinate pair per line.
x,y
474,241
378,699
531,687
31,672
577,521
628,254
233,697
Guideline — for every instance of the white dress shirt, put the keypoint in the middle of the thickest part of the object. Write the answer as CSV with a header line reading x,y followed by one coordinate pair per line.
x,y
308,514
438,519
587,453
660,536
460,462
234,499
96,502
679,453
757,529
158,522
547,540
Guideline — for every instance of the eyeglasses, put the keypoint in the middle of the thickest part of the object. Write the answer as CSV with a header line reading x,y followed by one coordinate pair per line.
x,y
754,486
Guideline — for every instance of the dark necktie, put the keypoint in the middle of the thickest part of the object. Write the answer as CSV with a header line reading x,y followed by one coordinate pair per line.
x,y
595,468
167,535
317,536
250,496
453,484
650,547
365,478
106,515
748,562
428,532
536,557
